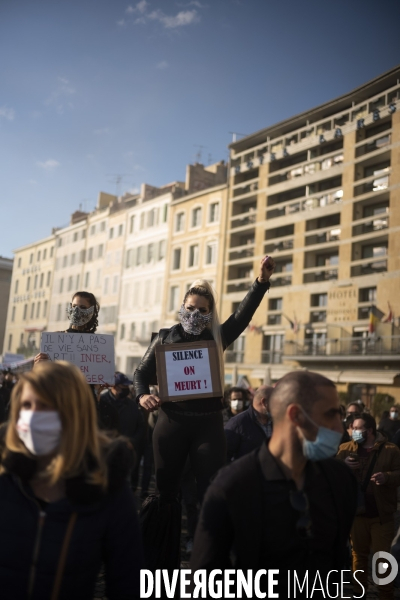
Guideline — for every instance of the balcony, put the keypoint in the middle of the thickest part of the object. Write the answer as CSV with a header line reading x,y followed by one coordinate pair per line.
x,y
332,235
278,246
306,204
369,225
245,189
373,183
271,357
353,348
369,268
234,356
319,274
241,254
246,219
280,281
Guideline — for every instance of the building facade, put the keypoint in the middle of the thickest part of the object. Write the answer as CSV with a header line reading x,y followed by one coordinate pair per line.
x,y
321,193
6,267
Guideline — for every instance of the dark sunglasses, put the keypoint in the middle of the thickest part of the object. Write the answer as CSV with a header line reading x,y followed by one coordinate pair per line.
x,y
299,502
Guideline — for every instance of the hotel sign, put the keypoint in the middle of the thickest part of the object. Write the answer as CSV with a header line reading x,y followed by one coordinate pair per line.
x,y
342,304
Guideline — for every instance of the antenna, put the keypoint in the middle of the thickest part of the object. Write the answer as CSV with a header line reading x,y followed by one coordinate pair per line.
x,y
199,153
235,134
117,179
209,158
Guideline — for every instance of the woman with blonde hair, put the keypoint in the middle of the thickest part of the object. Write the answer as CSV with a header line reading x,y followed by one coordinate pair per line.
x,y
194,427
65,504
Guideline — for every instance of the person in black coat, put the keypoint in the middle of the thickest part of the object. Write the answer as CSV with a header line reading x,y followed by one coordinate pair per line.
x,y
246,431
194,427
286,505
65,506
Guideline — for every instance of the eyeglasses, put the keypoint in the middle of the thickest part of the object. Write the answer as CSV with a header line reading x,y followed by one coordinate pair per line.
x,y
299,502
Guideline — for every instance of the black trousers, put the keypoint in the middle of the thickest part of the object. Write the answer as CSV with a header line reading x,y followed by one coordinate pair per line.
x,y
178,436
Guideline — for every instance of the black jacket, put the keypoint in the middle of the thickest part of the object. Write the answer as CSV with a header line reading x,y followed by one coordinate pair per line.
x,y
106,530
130,419
243,434
146,373
234,514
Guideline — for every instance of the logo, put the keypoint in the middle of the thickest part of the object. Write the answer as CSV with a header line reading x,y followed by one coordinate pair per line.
x,y
382,568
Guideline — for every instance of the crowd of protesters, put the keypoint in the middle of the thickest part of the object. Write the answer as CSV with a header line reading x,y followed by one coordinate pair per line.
x,y
281,477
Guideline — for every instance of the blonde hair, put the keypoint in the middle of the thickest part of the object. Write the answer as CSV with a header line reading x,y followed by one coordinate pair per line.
x,y
202,287
63,387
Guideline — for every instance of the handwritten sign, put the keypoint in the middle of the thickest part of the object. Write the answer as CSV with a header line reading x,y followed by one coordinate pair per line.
x,y
92,353
188,371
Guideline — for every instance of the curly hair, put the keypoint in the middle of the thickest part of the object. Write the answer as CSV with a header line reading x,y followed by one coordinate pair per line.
x,y
91,326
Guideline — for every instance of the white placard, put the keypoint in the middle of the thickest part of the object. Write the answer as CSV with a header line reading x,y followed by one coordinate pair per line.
x,y
92,353
188,372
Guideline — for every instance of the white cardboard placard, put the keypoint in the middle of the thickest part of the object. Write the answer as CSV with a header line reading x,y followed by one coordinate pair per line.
x,y
92,353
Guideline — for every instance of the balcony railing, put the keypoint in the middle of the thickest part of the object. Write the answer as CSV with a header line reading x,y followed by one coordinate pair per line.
x,y
369,225
234,356
369,268
248,219
372,346
320,275
278,246
306,205
271,356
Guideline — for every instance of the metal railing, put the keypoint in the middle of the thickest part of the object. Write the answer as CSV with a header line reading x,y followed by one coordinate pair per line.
x,y
373,346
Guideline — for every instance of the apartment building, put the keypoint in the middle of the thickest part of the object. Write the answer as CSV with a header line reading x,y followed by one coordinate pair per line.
x,y
30,295
196,236
321,193
6,266
143,273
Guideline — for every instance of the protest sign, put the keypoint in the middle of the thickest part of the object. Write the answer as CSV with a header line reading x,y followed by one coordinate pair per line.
x,y
188,371
92,353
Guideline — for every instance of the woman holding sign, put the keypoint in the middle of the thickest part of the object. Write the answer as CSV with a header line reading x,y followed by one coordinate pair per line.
x,y
83,314
194,426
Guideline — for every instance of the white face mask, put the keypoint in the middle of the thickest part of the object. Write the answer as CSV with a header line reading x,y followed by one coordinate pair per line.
x,y
393,415
236,404
39,430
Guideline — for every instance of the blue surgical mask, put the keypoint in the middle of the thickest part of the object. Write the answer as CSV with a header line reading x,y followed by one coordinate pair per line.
x,y
324,446
358,436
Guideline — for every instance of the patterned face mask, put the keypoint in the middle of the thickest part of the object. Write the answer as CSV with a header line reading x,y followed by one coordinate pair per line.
x,y
79,316
193,321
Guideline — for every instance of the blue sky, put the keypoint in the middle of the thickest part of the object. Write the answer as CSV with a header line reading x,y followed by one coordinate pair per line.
x,y
93,88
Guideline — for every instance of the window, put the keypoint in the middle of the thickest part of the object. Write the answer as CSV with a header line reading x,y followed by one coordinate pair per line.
x,y
122,332
38,310
59,309
103,226
45,308
10,341
61,287
272,348
35,282
211,253
132,224
83,234
70,283
48,278
51,252
235,352
213,214
19,262
275,304
75,237
82,256
150,218
374,251
98,278
65,261
165,213
25,312
318,316
93,230
38,255
367,294
13,313
72,261
120,229
111,233
59,242
180,221
319,299
28,284
139,256
106,285
173,298
142,217
196,217
100,251
176,260
326,260
161,249
132,333
193,256
78,278
90,254
41,280
16,287
87,280
115,284
31,259
44,253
